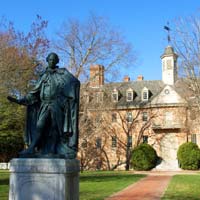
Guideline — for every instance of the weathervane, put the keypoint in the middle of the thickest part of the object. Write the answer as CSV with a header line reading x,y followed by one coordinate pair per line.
x,y
168,32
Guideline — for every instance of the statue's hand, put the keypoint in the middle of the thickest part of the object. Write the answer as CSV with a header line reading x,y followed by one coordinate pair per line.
x,y
14,100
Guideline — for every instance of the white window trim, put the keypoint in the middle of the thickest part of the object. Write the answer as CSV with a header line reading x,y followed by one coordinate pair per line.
x,y
127,92
145,90
99,97
117,94
129,114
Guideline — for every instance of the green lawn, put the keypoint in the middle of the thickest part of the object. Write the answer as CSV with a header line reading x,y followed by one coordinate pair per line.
x,y
97,186
93,185
183,187
4,182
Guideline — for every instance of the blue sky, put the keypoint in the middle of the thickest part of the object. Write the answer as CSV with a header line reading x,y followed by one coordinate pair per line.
x,y
141,21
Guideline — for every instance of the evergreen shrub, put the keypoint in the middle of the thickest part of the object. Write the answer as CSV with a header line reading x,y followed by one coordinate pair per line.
x,y
10,144
144,157
189,156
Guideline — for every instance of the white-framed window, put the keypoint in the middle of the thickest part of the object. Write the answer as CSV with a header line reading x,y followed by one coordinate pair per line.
x,y
194,138
98,143
145,139
129,95
114,141
144,116
169,118
115,95
84,144
130,141
99,97
114,117
145,94
86,97
129,117
169,64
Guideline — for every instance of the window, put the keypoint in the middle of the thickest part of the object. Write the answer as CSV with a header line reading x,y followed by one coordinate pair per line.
x,y
114,141
84,144
144,116
98,143
169,64
163,65
114,117
129,95
98,119
145,139
129,141
115,95
86,97
169,119
129,117
145,94
194,138
166,91
99,97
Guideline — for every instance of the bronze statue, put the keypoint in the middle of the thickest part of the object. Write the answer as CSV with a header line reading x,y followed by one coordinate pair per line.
x,y
52,113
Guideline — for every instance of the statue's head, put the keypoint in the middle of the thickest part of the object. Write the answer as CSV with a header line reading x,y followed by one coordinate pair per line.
x,y
52,59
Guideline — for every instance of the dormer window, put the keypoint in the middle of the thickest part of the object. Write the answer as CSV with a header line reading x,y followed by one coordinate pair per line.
x,y
129,95
145,94
99,97
115,95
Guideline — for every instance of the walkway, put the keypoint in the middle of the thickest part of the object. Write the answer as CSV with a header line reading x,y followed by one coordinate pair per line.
x,y
151,187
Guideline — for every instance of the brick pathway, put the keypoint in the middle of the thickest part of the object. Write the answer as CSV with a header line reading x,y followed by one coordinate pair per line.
x,y
151,187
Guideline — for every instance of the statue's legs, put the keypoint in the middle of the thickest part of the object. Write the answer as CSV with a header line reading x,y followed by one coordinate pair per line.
x,y
40,128
53,134
45,123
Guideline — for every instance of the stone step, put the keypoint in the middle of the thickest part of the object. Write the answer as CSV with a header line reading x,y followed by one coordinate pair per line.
x,y
168,165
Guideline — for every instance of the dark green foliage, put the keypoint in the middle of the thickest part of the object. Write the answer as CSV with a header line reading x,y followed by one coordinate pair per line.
x,y
144,157
189,156
11,129
11,116
10,144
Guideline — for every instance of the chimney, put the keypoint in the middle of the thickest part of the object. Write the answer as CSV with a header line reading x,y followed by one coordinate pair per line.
x,y
126,78
96,75
140,78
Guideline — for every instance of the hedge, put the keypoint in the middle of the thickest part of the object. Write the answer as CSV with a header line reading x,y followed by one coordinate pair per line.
x,y
189,156
144,157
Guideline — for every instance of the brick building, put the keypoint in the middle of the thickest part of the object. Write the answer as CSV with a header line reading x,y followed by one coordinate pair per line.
x,y
124,114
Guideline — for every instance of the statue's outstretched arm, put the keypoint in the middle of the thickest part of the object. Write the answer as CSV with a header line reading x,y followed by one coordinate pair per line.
x,y
18,101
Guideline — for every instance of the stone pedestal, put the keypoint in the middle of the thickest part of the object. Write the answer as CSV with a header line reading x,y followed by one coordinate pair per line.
x,y
44,179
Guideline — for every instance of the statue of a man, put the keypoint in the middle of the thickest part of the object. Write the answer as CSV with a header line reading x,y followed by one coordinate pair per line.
x,y
52,113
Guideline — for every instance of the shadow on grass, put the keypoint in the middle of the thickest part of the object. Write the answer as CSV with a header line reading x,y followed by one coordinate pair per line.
x,y
114,177
180,197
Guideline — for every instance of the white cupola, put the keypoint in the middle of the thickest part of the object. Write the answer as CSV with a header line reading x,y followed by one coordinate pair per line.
x,y
169,66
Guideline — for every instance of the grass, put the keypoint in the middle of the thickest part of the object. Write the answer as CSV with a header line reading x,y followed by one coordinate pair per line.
x,y
4,184
97,186
93,185
183,187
